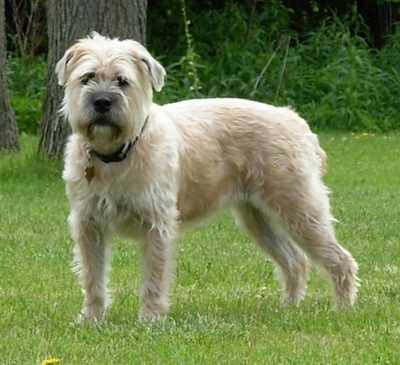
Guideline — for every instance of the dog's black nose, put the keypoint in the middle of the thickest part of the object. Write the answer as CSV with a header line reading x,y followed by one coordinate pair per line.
x,y
102,104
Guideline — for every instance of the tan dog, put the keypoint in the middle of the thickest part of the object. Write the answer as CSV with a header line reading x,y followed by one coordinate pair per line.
x,y
146,171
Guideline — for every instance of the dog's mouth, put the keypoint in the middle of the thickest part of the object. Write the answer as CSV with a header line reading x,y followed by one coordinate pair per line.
x,y
103,126
102,122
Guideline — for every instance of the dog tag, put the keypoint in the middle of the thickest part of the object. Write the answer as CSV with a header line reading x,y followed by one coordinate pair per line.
x,y
89,173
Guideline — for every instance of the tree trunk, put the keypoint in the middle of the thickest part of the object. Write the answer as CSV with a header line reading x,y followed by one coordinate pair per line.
x,y
8,126
69,21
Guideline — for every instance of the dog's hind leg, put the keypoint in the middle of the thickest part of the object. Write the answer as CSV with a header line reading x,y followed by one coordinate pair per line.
x,y
91,263
306,215
158,265
291,263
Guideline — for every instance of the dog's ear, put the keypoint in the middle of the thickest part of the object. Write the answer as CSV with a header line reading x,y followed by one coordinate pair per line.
x,y
62,66
154,69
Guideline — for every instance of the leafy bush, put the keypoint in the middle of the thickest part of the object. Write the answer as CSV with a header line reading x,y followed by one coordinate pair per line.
x,y
230,51
342,85
332,76
26,83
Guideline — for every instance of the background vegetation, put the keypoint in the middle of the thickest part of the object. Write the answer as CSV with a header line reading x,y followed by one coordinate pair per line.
x,y
330,64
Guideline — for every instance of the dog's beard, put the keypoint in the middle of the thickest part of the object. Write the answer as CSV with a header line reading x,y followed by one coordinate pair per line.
x,y
103,129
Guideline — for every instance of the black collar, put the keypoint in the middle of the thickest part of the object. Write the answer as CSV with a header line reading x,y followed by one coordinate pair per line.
x,y
121,153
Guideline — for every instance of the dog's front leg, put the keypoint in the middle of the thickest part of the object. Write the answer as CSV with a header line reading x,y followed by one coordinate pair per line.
x,y
91,263
158,265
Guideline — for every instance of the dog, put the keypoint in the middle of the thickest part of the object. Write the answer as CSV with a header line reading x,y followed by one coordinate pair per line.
x,y
148,172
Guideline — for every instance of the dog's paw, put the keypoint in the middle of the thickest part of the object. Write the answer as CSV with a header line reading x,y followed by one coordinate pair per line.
x,y
82,318
90,315
152,313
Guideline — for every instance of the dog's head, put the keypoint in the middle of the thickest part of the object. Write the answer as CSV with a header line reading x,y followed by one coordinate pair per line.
x,y
108,88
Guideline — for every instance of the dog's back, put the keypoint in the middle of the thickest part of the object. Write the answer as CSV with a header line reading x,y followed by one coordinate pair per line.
x,y
225,117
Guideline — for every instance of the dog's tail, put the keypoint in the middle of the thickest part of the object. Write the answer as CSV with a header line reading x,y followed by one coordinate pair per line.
x,y
321,154
313,138
322,160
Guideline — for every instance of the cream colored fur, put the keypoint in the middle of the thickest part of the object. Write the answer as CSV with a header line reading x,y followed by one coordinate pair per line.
x,y
192,159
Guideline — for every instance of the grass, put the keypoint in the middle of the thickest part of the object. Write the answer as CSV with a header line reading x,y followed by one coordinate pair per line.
x,y
225,303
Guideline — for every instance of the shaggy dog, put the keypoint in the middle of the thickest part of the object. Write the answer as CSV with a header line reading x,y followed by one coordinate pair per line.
x,y
147,171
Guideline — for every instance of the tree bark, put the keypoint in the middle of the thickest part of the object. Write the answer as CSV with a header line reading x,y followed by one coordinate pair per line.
x,y
69,21
8,126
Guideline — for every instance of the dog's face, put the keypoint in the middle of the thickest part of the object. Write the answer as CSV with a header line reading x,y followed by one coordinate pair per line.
x,y
108,89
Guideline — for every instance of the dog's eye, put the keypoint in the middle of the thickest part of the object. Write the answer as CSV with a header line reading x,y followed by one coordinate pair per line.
x,y
122,81
86,78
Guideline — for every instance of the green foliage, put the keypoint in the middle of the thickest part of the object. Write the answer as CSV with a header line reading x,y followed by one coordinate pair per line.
x,y
26,81
226,45
341,85
331,76
225,303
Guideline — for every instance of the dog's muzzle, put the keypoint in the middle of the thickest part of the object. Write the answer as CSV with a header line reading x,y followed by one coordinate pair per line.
x,y
102,104
103,109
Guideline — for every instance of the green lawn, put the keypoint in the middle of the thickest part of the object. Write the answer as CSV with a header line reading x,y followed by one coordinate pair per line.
x,y
225,303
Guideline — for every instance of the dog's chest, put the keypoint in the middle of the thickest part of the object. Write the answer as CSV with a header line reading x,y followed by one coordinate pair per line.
x,y
131,201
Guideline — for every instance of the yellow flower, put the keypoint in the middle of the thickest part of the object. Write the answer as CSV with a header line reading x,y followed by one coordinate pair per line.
x,y
50,361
